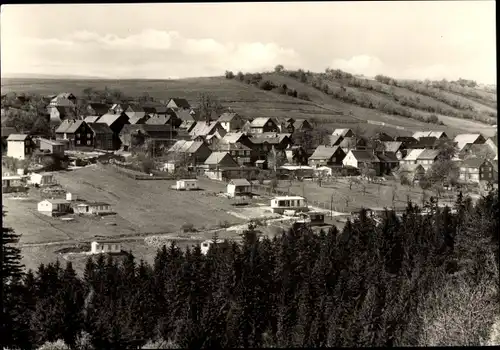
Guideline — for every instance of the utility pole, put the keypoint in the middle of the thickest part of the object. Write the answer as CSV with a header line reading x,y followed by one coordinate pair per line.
x,y
331,206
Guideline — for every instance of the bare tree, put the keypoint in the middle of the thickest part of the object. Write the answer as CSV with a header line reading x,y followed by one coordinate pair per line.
x,y
208,104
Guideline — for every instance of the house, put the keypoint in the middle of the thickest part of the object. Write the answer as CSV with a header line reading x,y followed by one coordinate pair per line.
x,y
263,143
212,139
463,139
54,207
335,140
187,125
155,136
492,142
296,155
239,152
164,119
6,131
281,203
483,151
192,152
97,109
92,208
353,143
137,117
41,179
12,183
52,146
185,115
343,133
413,172
301,125
187,184
64,99
102,136
469,170
440,135
231,121
383,137
205,245
360,159
105,247
428,142
77,132
178,103
296,171
20,146
407,142
205,128
219,160
118,108
388,162
285,125
395,147
237,137
261,164
116,122
92,119
238,187
326,155
488,171
411,157
262,124
60,113
427,158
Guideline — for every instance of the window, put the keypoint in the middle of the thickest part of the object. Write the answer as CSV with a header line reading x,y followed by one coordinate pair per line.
x,y
77,142
89,136
88,142
78,134
205,245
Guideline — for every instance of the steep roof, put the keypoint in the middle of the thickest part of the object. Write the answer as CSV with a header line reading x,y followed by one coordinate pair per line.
x,y
69,126
185,115
410,167
176,147
240,182
335,139
203,128
17,137
217,158
364,156
99,108
324,152
227,116
494,139
260,139
135,117
478,150
194,146
474,162
232,147
259,122
159,120
392,146
413,154
109,118
91,119
232,137
428,154
180,102
100,128
341,132
300,123
463,139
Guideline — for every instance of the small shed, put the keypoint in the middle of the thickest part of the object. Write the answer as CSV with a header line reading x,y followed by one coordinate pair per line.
x,y
187,184
13,181
93,208
105,247
314,218
261,164
205,245
281,203
54,207
238,187
42,179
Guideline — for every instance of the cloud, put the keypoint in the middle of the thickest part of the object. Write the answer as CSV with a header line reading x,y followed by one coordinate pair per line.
x,y
147,54
361,64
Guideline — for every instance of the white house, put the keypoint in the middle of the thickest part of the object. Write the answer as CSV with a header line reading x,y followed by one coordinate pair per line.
x,y
105,247
281,203
41,179
52,207
412,156
238,187
189,184
205,245
19,146
93,208
358,159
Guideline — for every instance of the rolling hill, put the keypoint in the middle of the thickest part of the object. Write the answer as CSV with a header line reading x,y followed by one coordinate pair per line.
x,y
250,101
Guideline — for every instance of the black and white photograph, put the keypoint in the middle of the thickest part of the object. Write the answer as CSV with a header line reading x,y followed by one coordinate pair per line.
x,y
249,175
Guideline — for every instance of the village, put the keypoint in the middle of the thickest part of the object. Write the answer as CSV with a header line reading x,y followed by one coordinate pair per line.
x,y
248,170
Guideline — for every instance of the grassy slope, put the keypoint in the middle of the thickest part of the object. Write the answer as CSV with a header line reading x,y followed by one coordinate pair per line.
x,y
252,102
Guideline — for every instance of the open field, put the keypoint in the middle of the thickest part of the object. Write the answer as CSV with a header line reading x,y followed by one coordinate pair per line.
x,y
250,101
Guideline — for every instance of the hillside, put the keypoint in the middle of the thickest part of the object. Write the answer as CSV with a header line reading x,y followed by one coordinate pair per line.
x,y
250,101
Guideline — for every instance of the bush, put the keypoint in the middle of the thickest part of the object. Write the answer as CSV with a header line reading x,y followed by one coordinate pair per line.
x,y
188,227
229,75
303,96
240,76
266,85
58,345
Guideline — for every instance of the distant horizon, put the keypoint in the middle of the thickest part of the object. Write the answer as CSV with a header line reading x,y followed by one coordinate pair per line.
x,y
411,40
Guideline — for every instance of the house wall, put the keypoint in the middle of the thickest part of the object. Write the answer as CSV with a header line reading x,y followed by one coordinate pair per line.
x,y
18,149
469,174
486,172
426,163
350,160
103,141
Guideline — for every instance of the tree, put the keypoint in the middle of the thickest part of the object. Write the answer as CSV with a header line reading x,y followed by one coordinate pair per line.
x,y
279,68
12,269
276,158
229,75
240,76
208,105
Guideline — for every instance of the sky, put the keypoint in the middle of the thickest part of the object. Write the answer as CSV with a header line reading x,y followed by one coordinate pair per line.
x,y
406,40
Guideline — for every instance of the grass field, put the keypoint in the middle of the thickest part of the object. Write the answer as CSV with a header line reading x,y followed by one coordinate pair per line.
x,y
250,101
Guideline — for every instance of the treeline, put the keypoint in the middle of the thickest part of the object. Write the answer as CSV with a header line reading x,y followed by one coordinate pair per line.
x,y
465,110
393,282
257,80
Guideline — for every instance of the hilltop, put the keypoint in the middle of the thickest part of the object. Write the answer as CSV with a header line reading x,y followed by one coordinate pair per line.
x,y
334,99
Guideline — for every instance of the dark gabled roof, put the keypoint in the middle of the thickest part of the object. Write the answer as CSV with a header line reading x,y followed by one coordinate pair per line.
x,y
406,139
69,126
159,120
181,102
364,156
324,152
100,108
427,141
227,116
334,139
474,162
428,154
494,139
299,124
392,146
100,128
387,157
110,118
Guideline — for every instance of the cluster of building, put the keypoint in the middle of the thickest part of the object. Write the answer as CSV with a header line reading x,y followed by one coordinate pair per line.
x,y
228,146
